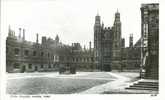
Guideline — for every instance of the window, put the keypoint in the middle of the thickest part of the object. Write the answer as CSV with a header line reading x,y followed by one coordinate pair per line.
x,y
16,65
34,53
49,65
42,66
30,66
26,52
54,65
42,53
16,51
7,50
48,54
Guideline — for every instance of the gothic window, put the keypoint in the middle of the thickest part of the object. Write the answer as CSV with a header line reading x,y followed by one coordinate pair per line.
x,y
16,51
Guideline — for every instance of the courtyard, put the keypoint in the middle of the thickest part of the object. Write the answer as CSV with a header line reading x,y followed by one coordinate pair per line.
x,y
79,83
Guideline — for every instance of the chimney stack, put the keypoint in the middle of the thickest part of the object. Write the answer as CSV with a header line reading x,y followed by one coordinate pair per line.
x,y
90,45
23,34
19,32
37,38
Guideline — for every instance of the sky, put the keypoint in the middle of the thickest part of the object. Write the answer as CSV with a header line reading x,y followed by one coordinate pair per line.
x,y
72,20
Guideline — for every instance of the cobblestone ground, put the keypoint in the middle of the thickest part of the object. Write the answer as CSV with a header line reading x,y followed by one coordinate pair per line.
x,y
53,83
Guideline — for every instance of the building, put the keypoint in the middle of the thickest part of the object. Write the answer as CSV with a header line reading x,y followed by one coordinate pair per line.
x,y
150,39
49,55
25,56
131,55
107,44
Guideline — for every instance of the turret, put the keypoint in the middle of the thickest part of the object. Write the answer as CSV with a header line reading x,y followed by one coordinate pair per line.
x,y
57,39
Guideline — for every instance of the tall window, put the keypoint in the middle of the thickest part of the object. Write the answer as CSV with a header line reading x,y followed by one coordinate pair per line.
x,y
7,49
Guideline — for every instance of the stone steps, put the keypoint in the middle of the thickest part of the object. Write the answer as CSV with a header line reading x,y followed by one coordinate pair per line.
x,y
144,85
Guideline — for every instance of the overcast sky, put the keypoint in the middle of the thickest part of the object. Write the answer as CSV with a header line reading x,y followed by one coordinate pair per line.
x,y
72,20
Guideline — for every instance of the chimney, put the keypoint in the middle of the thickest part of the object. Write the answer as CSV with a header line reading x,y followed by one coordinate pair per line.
x,y
37,38
131,40
43,40
90,45
19,32
23,34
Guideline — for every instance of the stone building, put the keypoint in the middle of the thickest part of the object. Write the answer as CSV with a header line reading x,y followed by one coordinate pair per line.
x,y
83,59
150,39
131,55
107,44
49,55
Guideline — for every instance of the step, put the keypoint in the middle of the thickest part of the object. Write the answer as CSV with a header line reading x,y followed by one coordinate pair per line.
x,y
148,83
138,88
144,86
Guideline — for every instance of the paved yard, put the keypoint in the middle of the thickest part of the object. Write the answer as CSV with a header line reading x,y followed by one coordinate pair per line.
x,y
53,83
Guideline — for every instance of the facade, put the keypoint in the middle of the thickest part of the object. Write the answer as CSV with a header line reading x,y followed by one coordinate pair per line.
x,y
150,39
107,44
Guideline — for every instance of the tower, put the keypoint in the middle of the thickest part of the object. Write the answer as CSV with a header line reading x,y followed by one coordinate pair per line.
x,y
116,48
97,42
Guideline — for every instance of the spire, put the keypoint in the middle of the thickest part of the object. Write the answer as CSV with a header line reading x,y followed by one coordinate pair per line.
x,y
97,19
9,31
57,38
97,12
117,16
